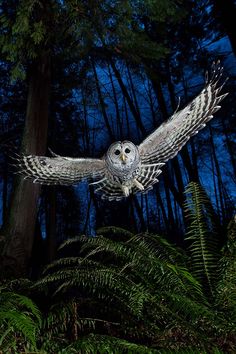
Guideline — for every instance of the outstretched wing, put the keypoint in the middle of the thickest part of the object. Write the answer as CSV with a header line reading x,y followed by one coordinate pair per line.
x,y
167,140
59,169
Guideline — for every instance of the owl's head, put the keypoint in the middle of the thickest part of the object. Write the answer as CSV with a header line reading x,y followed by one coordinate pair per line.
x,y
123,155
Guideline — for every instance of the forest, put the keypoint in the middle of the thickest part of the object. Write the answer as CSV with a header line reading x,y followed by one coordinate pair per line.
x,y
151,273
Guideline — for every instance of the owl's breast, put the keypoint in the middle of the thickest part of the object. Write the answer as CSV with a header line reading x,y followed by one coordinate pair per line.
x,y
126,174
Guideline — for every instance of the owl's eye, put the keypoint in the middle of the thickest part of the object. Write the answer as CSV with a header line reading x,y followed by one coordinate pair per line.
x,y
117,152
127,151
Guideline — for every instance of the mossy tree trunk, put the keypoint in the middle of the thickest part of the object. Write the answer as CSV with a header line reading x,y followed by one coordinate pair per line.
x,y
20,225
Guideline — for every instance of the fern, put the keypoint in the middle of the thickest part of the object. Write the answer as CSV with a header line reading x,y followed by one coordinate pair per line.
x,y
115,232
111,345
18,314
106,345
138,260
226,287
141,288
101,282
204,249
144,277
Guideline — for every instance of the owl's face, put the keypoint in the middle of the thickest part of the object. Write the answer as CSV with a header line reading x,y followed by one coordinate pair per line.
x,y
123,156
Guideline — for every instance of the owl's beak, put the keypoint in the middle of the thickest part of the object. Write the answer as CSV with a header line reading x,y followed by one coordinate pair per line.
x,y
123,157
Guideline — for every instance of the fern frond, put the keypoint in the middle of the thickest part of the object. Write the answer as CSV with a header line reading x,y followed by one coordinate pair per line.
x,y
117,269
18,314
142,280
157,244
226,287
115,232
203,247
101,282
106,344
72,241
71,262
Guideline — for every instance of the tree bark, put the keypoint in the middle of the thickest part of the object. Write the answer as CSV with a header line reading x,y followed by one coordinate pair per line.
x,y
188,164
51,225
119,122
157,88
102,103
219,176
20,226
4,190
163,210
131,104
177,193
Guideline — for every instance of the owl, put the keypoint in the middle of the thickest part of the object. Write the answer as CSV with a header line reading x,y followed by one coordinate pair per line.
x,y
126,168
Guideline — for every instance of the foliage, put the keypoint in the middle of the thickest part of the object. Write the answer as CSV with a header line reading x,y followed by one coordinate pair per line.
x,y
131,289
214,269
226,287
202,234
105,344
125,292
20,321
29,28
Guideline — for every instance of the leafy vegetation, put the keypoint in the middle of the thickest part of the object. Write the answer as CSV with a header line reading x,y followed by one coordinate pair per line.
x,y
20,321
121,292
203,237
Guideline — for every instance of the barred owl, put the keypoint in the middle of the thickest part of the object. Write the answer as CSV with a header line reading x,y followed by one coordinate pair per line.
x,y
127,168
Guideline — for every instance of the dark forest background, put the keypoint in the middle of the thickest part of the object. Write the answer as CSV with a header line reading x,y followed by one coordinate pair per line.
x,y
78,75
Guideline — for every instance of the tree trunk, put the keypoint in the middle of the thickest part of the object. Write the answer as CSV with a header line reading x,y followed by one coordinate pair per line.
x,y
131,104
163,210
160,97
151,103
177,193
139,212
120,130
230,145
4,190
101,102
219,176
51,224
19,228
188,164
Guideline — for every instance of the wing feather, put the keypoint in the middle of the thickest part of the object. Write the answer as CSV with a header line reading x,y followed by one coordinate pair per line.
x,y
167,140
59,169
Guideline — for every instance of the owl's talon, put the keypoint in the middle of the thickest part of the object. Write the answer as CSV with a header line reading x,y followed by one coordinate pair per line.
x,y
138,185
125,190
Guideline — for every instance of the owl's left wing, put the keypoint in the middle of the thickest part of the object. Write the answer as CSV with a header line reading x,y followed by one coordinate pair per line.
x,y
58,169
167,140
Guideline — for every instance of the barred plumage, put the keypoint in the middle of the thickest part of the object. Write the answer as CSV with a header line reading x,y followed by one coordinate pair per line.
x,y
59,169
166,141
127,168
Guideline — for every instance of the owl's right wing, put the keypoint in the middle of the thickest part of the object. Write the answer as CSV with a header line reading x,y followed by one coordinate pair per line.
x,y
167,140
58,169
